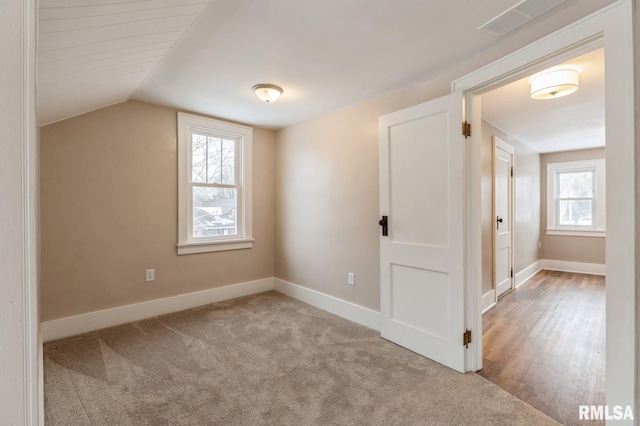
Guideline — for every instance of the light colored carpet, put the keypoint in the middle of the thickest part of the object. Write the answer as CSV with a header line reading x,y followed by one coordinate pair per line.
x,y
264,359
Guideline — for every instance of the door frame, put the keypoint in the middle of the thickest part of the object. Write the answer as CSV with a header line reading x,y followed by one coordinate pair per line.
x,y
611,27
497,142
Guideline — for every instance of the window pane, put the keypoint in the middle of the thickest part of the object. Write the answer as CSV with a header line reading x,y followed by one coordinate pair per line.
x,y
213,159
214,212
228,162
221,161
198,158
575,184
575,212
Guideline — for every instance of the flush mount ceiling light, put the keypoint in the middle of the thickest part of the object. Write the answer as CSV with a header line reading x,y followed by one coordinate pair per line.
x,y
554,84
267,92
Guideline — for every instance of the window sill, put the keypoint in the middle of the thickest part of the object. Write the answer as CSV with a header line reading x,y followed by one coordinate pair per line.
x,y
576,233
209,246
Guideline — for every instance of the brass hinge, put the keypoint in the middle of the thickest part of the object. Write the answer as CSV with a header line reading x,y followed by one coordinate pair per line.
x,y
511,171
466,338
466,129
511,272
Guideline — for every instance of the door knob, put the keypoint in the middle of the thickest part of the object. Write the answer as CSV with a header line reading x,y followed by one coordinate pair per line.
x,y
498,222
383,222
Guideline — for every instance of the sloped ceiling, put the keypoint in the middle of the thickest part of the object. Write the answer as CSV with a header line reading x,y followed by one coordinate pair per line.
x,y
92,53
205,56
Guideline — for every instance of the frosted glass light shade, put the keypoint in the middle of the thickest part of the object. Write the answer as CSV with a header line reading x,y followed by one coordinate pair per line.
x,y
267,92
554,84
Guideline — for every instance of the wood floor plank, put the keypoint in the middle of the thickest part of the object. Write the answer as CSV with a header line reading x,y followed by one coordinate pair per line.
x,y
545,343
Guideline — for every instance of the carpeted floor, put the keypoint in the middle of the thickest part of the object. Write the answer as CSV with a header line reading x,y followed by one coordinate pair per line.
x,y
264,359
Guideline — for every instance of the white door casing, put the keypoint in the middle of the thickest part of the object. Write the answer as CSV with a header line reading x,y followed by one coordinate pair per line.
x,y
503,159
611,27
421,259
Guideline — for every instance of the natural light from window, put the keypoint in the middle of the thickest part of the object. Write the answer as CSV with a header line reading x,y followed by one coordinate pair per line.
x,y
576,198
214,191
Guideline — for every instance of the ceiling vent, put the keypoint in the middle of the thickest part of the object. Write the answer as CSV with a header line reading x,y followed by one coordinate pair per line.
x,y
517,15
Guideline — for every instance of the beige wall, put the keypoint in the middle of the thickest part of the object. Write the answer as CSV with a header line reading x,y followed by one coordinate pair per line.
x,y
327,199
109,211
527,203
560,247
327,186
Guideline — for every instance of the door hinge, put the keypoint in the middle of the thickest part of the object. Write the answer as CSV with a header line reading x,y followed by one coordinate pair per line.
x,y
511,171
466,338
466,129
511,272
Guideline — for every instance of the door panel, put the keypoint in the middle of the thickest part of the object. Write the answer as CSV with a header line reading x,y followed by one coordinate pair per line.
x,y
421,192
411,164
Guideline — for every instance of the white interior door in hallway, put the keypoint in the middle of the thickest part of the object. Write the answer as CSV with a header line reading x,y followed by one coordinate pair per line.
x,y
503,159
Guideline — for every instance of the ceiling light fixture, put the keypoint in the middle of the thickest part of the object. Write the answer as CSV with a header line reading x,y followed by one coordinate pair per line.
x,y
554,84
267,92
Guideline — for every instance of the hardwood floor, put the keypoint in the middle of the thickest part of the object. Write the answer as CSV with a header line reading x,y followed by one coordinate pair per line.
x,y
545,343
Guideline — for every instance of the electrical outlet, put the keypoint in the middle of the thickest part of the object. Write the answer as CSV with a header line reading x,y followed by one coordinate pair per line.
x,y
351,278
150,275
539,244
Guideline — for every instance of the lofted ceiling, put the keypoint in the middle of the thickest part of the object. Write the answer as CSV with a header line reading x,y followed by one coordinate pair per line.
x,y
204,56
564,124
93,53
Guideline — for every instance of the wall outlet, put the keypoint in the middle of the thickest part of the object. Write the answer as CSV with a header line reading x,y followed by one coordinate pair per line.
x,y
150,275
539,244
351,278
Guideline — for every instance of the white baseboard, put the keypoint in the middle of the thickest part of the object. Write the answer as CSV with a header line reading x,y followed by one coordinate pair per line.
x,y
528,272
578,267
488,300
90,321
342,308
78,324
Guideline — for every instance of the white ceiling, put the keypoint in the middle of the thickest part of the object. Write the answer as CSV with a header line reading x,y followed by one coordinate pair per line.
x,y
564,124
205,58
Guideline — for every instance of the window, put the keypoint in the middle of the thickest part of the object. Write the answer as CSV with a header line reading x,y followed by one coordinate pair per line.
x,y
576,198
214,188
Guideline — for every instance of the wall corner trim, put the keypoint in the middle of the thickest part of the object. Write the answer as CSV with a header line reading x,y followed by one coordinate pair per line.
x,y
528,272
488,300
342,308
90,321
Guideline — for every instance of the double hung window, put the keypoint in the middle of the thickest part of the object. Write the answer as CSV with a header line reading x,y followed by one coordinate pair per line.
x,y
576,198
214,189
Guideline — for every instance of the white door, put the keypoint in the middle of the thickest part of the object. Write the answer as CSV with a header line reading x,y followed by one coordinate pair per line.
x,y
421,259
503,216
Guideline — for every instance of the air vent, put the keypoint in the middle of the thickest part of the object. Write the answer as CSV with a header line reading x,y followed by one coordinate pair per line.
x,y
517,15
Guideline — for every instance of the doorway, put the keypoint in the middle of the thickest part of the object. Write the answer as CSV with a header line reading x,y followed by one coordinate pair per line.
x,y
610,28
524,333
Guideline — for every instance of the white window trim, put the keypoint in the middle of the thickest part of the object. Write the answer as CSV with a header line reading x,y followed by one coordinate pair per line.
x,y
186,243
599,199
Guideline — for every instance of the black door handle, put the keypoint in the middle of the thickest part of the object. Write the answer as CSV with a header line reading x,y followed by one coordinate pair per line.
x,y
498,222
383,222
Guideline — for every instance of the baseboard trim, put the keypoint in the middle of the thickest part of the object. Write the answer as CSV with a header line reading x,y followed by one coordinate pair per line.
x,y
577,267
528,272
91,321
488,300
342,308
83,323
